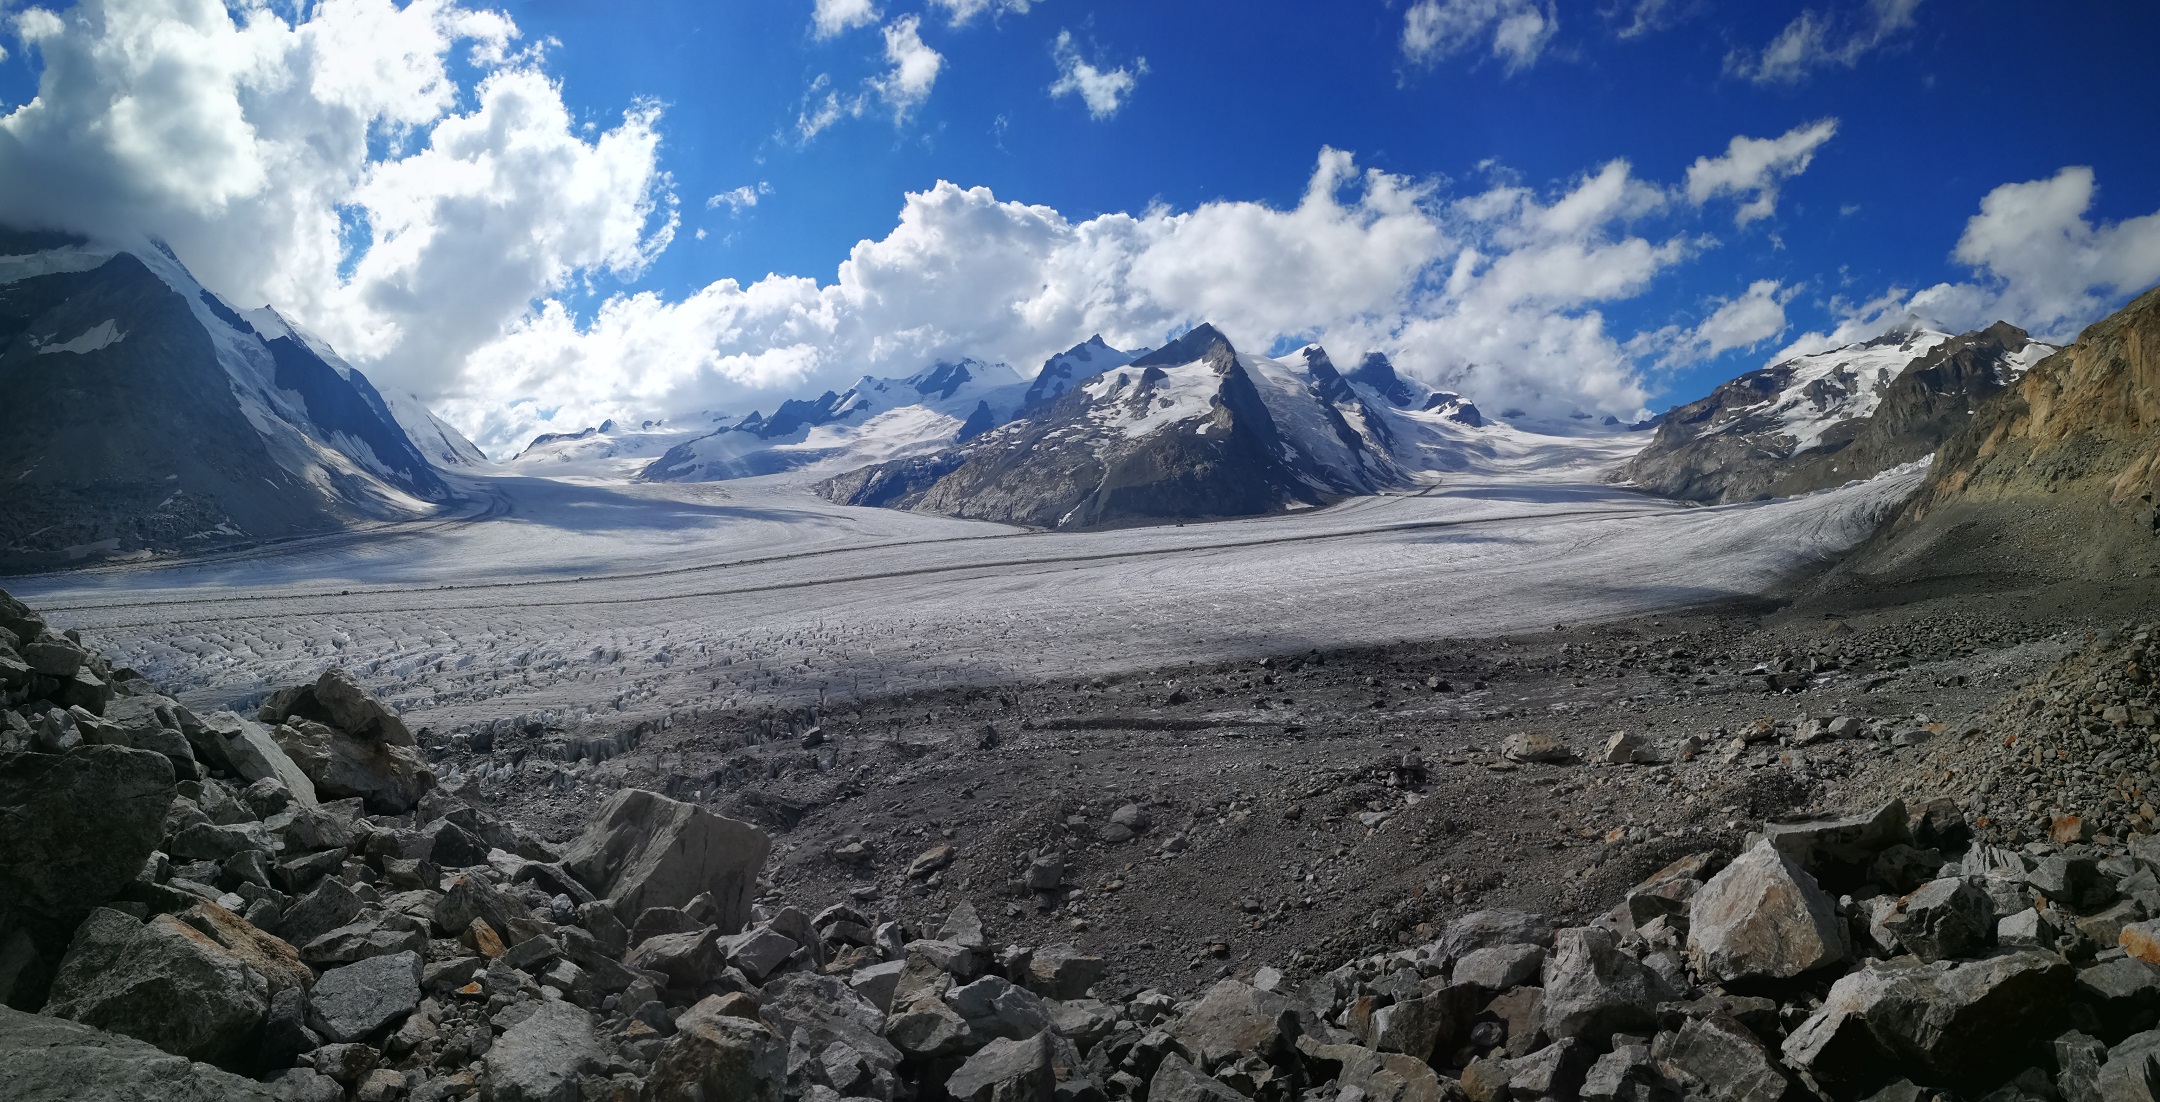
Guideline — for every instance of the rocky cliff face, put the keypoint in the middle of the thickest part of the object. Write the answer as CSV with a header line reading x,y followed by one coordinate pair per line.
x,y
1823,420
2060,474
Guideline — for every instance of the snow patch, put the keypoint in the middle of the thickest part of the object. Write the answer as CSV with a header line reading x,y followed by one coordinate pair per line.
x,y
101,335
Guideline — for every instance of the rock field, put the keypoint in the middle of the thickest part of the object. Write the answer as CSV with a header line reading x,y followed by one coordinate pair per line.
x,y
1735,853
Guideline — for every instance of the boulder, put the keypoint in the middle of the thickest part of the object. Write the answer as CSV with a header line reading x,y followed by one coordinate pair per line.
x,y
46,1059
1534,746
1840,852
1718,1058
2141,940
1013,1071
163,982
645,850
328,907
389,778
1594,990
74,829
927,1029
272,957
338,700
150,722
1969,1024
758,951
2075,882
1420,1026
816,1011
472,897
1946,918
687,960
1764,917
2132,1070
994,1008
1176,1080
1383,1076
1500,967
1063,972
1234,1019
374,934
244,749
539,1059
354,1002
1486,929
716,1057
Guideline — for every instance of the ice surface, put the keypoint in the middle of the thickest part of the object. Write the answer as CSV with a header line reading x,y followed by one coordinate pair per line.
x,y
643,600
98,336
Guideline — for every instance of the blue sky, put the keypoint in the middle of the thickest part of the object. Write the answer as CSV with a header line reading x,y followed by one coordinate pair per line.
x,y
1935,106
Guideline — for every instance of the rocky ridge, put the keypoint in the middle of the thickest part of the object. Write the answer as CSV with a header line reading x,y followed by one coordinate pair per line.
x,y
1829,418
405,944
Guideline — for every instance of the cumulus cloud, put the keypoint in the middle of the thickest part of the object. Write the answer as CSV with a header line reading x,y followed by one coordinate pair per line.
x,y
1755,316
1434,30
1815,41
1752,168
332,166
1644,17
914,69
959,12
1103,90
832,17
2037,262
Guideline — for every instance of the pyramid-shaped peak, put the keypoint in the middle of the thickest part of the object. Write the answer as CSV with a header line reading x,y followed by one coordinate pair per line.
x,y
1194,345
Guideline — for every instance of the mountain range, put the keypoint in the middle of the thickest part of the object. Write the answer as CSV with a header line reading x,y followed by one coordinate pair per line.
x,y
168,420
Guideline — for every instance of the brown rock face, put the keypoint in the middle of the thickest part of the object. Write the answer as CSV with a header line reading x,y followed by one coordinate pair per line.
x,y
2064,467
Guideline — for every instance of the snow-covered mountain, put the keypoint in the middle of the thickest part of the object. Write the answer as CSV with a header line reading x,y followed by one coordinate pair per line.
x,y
1194,430
1830,417
871,422
611,451
1074,366
150,414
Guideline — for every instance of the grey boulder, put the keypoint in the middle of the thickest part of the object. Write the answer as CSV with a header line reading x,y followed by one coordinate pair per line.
x,y
541,1058
45,1059
353,1002
163,982
1763,917
646,850
715,1057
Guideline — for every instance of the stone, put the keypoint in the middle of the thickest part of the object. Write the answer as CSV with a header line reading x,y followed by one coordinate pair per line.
x,y
328,907
272,957
1522,1013
877,982
388,778
1667,892
687,960
1133,817
1046,873
717,1057
993,1007
930,861
927,1029
354,1002
244,749
1623,749
646,850
540,1059
810,1010
1970,1024
2027,929
48,1059
452,847
347,1063
758,951
1234,1019
1947,918
1621,1074
1419,1026
1534,746
1593,990
302,1085
1177,1080
74,829
1498,968
1007,1070
341,702
2141,940
2077,1060
2124,995
372,935
1489,928
1555,1071
163,982
1764,917
1718,1058
2075,882
472,897
962,927
1063,972
1840,852
1939,824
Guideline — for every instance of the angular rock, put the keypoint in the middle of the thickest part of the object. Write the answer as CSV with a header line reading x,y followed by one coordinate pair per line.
x,y
927,1029
1176,1080
1233,1019
1763,917
1486,929
687,960
272,957
163,982
1534,746
1719,1058
74,829
1840,852
2132,1071
1971,1024
758,951
353,1002
2075,882
715,1056
2124,995
343,704
1012,1071
1594,990
1947,918
645,850
47,1059
2027,929
370,936
328,907
540,1058
1063,972
389,778
243,748
1500,967
815,1011
2141,940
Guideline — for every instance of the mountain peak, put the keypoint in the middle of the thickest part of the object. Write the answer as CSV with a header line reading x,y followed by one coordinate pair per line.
x,y
1196,344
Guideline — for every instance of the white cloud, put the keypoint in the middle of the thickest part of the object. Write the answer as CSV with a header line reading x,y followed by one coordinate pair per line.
x,y
1434,30
1813,41
1496,292
1104,91
1753,168
959,12
914,67
1645,17
832,17
739,199
247,146
2038,263
1744,322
